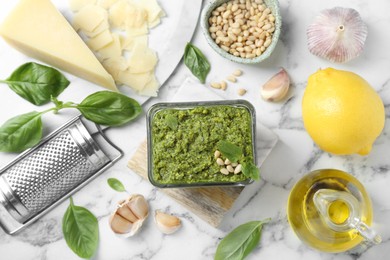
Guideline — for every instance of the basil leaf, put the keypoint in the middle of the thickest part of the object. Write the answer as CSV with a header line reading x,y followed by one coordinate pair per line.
x,y
229,150
171,122
81,230
196,62
115,184
37,83
21,132
240,242
109,108
250,170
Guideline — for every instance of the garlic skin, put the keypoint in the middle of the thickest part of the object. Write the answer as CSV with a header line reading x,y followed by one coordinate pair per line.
x,y
129,215
276,88
337,34
166,223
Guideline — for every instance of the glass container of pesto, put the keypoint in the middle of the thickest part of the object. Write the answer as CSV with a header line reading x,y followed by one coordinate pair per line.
x,y
183,137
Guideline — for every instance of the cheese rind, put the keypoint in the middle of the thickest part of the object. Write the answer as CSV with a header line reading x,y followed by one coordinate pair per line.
x,y
38,29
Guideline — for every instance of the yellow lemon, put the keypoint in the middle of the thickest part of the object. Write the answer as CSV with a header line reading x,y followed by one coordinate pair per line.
x,y
341,112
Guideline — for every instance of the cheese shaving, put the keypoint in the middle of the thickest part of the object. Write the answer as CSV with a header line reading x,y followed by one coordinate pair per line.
x,y
124,53
76,5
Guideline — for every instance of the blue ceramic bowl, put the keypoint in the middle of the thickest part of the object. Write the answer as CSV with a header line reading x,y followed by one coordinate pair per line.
x,y
209,8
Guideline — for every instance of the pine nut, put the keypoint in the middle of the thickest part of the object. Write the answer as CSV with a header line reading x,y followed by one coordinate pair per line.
x,y
226,14
237,73
230,168
223,83
266,27
267,43
231,78
227,162
237,169
217,154
220,162
213,29
224,171
215,85
241,92
225,48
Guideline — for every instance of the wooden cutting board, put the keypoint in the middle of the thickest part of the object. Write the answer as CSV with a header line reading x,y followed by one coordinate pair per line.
x,y
210,204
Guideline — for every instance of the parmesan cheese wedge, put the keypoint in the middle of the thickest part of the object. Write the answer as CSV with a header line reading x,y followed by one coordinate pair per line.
x,y
37,28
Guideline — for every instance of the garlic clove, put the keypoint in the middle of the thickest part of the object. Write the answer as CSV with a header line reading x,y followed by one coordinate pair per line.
x,y
166,223
337,34
139,206
129,216
119,224
125,212
276,88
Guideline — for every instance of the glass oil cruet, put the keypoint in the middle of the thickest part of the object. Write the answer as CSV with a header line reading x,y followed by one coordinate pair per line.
x,y
331,211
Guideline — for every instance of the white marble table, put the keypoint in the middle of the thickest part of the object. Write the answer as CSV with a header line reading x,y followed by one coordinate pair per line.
x,y
294,155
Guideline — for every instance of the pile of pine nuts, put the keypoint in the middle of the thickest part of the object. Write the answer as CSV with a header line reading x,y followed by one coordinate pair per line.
x,y
243,28
227,166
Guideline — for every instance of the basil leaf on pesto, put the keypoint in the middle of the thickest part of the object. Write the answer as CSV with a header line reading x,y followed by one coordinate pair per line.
x,y
250,170
229,150
171,122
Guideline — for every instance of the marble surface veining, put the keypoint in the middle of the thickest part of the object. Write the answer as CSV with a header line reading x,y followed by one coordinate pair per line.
x,y
294,155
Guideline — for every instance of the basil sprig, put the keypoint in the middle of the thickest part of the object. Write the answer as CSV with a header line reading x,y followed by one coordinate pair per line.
x,y
36,83
115,184
240,242
81,230
196,62
103,107
234,153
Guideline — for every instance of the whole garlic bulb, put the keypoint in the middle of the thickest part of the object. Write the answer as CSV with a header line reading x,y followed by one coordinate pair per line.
x,y
130,215
337,34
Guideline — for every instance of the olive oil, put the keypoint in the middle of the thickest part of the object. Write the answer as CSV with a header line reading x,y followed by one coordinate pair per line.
x,y
306,220
338,212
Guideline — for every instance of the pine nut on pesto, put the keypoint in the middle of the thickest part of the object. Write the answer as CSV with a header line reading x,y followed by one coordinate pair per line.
x,y
183,138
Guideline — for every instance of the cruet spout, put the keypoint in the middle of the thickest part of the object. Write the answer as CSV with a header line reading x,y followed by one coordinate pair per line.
x,y
341,212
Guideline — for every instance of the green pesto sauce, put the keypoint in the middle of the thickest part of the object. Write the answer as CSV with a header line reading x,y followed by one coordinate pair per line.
x,y
183,151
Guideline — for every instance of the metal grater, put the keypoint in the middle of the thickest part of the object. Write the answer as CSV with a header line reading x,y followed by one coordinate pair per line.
x,y
43,176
